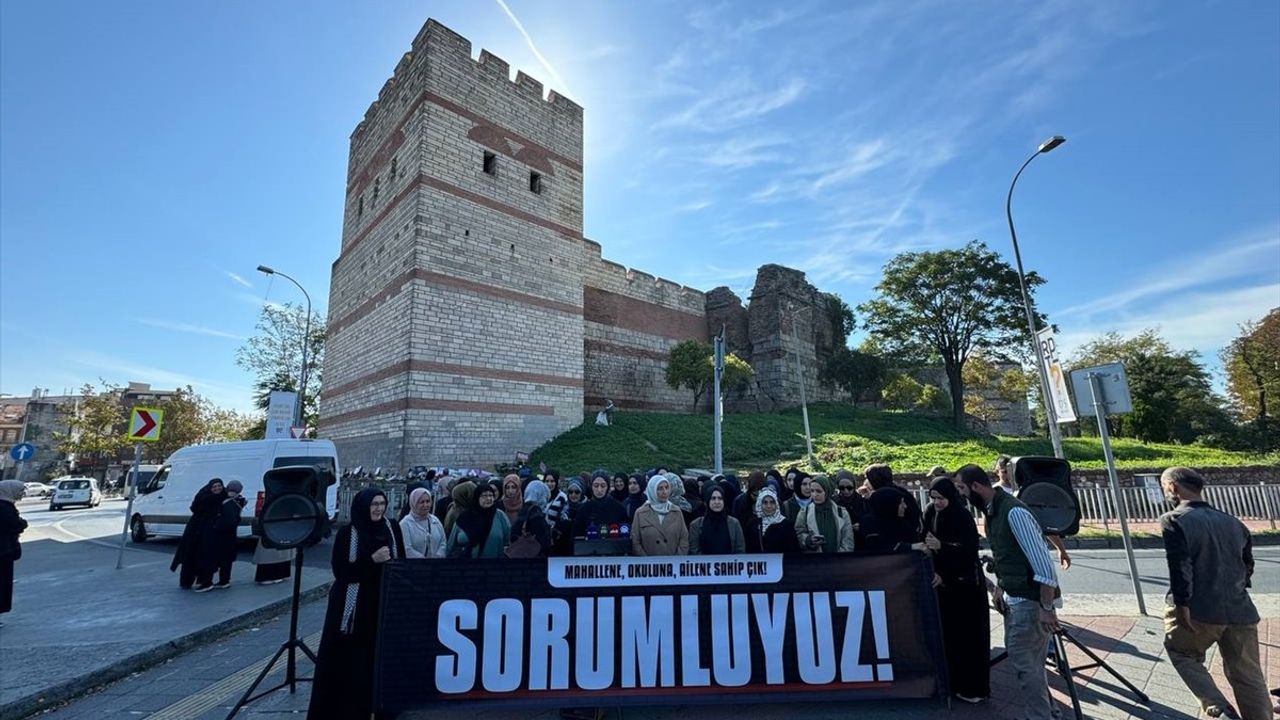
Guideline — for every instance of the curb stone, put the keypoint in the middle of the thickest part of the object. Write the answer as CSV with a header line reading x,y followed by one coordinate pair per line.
x,y
68,690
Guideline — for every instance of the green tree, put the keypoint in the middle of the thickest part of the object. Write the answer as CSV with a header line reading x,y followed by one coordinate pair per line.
x,y
841,316
855,372
948,303
224,425
691,365
901,392
185,416
274,356
1252,364
1173,399
95,425
988,383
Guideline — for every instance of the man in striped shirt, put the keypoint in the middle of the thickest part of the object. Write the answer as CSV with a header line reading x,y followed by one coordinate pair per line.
x,y
1027,587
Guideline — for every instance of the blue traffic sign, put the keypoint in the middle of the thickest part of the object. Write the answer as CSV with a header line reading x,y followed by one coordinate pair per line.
x,y
22,452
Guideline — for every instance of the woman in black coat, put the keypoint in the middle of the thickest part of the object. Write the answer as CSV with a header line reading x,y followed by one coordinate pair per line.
x,y
204,509
343,685
11,526
888,525
769,531
952,537
601,510
218,544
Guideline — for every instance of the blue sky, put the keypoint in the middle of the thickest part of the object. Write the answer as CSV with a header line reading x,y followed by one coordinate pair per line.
x,y
153,154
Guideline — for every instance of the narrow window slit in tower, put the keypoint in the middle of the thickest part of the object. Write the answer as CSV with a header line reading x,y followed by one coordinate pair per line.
x,y
535,182
490,163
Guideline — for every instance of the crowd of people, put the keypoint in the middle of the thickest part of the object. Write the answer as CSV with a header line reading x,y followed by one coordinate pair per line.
x,y
660,513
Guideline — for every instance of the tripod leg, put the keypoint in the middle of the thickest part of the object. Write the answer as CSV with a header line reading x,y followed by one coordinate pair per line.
x,y
1064,669
258,681
307,651
1141,696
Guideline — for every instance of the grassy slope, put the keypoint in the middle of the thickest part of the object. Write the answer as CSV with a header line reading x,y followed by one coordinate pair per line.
x,y
843,437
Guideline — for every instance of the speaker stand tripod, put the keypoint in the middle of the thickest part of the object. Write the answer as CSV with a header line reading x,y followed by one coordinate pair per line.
x,y
1061,637
290,646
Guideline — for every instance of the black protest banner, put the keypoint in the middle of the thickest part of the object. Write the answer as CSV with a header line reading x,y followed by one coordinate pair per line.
x,y
609,631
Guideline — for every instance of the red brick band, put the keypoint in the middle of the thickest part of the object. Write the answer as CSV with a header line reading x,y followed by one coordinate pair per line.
x,y
407,366
607,348
359,181
469,406
456,191
394,287
608,308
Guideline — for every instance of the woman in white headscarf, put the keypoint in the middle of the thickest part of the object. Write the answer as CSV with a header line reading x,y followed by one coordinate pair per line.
x,y
658,527
769,530
423,532
11,526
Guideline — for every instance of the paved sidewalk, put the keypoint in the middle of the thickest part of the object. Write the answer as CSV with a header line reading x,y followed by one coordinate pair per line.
x,y
204,684
53,647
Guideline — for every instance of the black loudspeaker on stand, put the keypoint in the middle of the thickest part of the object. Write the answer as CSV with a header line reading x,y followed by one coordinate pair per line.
x,y
292,516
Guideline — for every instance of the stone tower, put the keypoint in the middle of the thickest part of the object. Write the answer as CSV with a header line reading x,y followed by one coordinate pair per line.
x,y
456,303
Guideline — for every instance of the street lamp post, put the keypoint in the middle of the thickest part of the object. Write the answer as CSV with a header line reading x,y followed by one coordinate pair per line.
x,y
306,340
1055,436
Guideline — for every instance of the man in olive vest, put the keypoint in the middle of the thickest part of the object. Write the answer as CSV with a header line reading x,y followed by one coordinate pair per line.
x,y
1210,566
1027,588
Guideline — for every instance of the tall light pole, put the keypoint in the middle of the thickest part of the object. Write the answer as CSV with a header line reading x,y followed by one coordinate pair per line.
x,y
306,340
804,403
1055,436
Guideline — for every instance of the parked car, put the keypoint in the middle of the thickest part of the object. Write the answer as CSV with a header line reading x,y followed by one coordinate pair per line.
x,y
38,489
75,491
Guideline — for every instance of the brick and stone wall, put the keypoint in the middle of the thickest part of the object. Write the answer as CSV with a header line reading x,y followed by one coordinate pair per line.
x,y
469,318
456,304
631,320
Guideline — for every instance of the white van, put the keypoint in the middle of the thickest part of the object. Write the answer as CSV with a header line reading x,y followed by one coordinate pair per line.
x,y
163,504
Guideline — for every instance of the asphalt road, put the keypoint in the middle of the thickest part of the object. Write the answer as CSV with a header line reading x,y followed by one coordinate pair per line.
x,y
103,526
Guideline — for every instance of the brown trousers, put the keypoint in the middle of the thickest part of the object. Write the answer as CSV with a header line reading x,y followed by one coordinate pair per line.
x,y
1238,646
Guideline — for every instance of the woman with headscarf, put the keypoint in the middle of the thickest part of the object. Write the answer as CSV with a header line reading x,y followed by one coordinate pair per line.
x,y
658,527
716,532
744,506
598,513
848,498
481,531
888,526
952,537
635,495
769,531
691,494
220,541
343,678
532,519
551,478
424,535
799,496
464,491
560,512
443,496
204,509
512,497
618,487
11,526
677,498
823,526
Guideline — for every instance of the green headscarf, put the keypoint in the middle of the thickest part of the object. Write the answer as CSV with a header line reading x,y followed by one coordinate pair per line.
x,y
825,514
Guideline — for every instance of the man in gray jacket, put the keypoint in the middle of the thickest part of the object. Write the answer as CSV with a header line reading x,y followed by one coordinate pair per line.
x,y
1210,558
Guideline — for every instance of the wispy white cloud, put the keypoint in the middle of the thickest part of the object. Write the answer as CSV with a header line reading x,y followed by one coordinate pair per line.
x,y
188,328
694,206
1242,257
561,86
257,302
118,369
237,279
734,103
742,152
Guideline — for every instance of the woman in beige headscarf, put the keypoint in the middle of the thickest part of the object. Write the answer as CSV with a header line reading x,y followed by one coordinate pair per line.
x,y
11,526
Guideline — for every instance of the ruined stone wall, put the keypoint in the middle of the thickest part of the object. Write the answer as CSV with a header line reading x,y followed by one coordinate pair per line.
x,y
631,320
456,304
